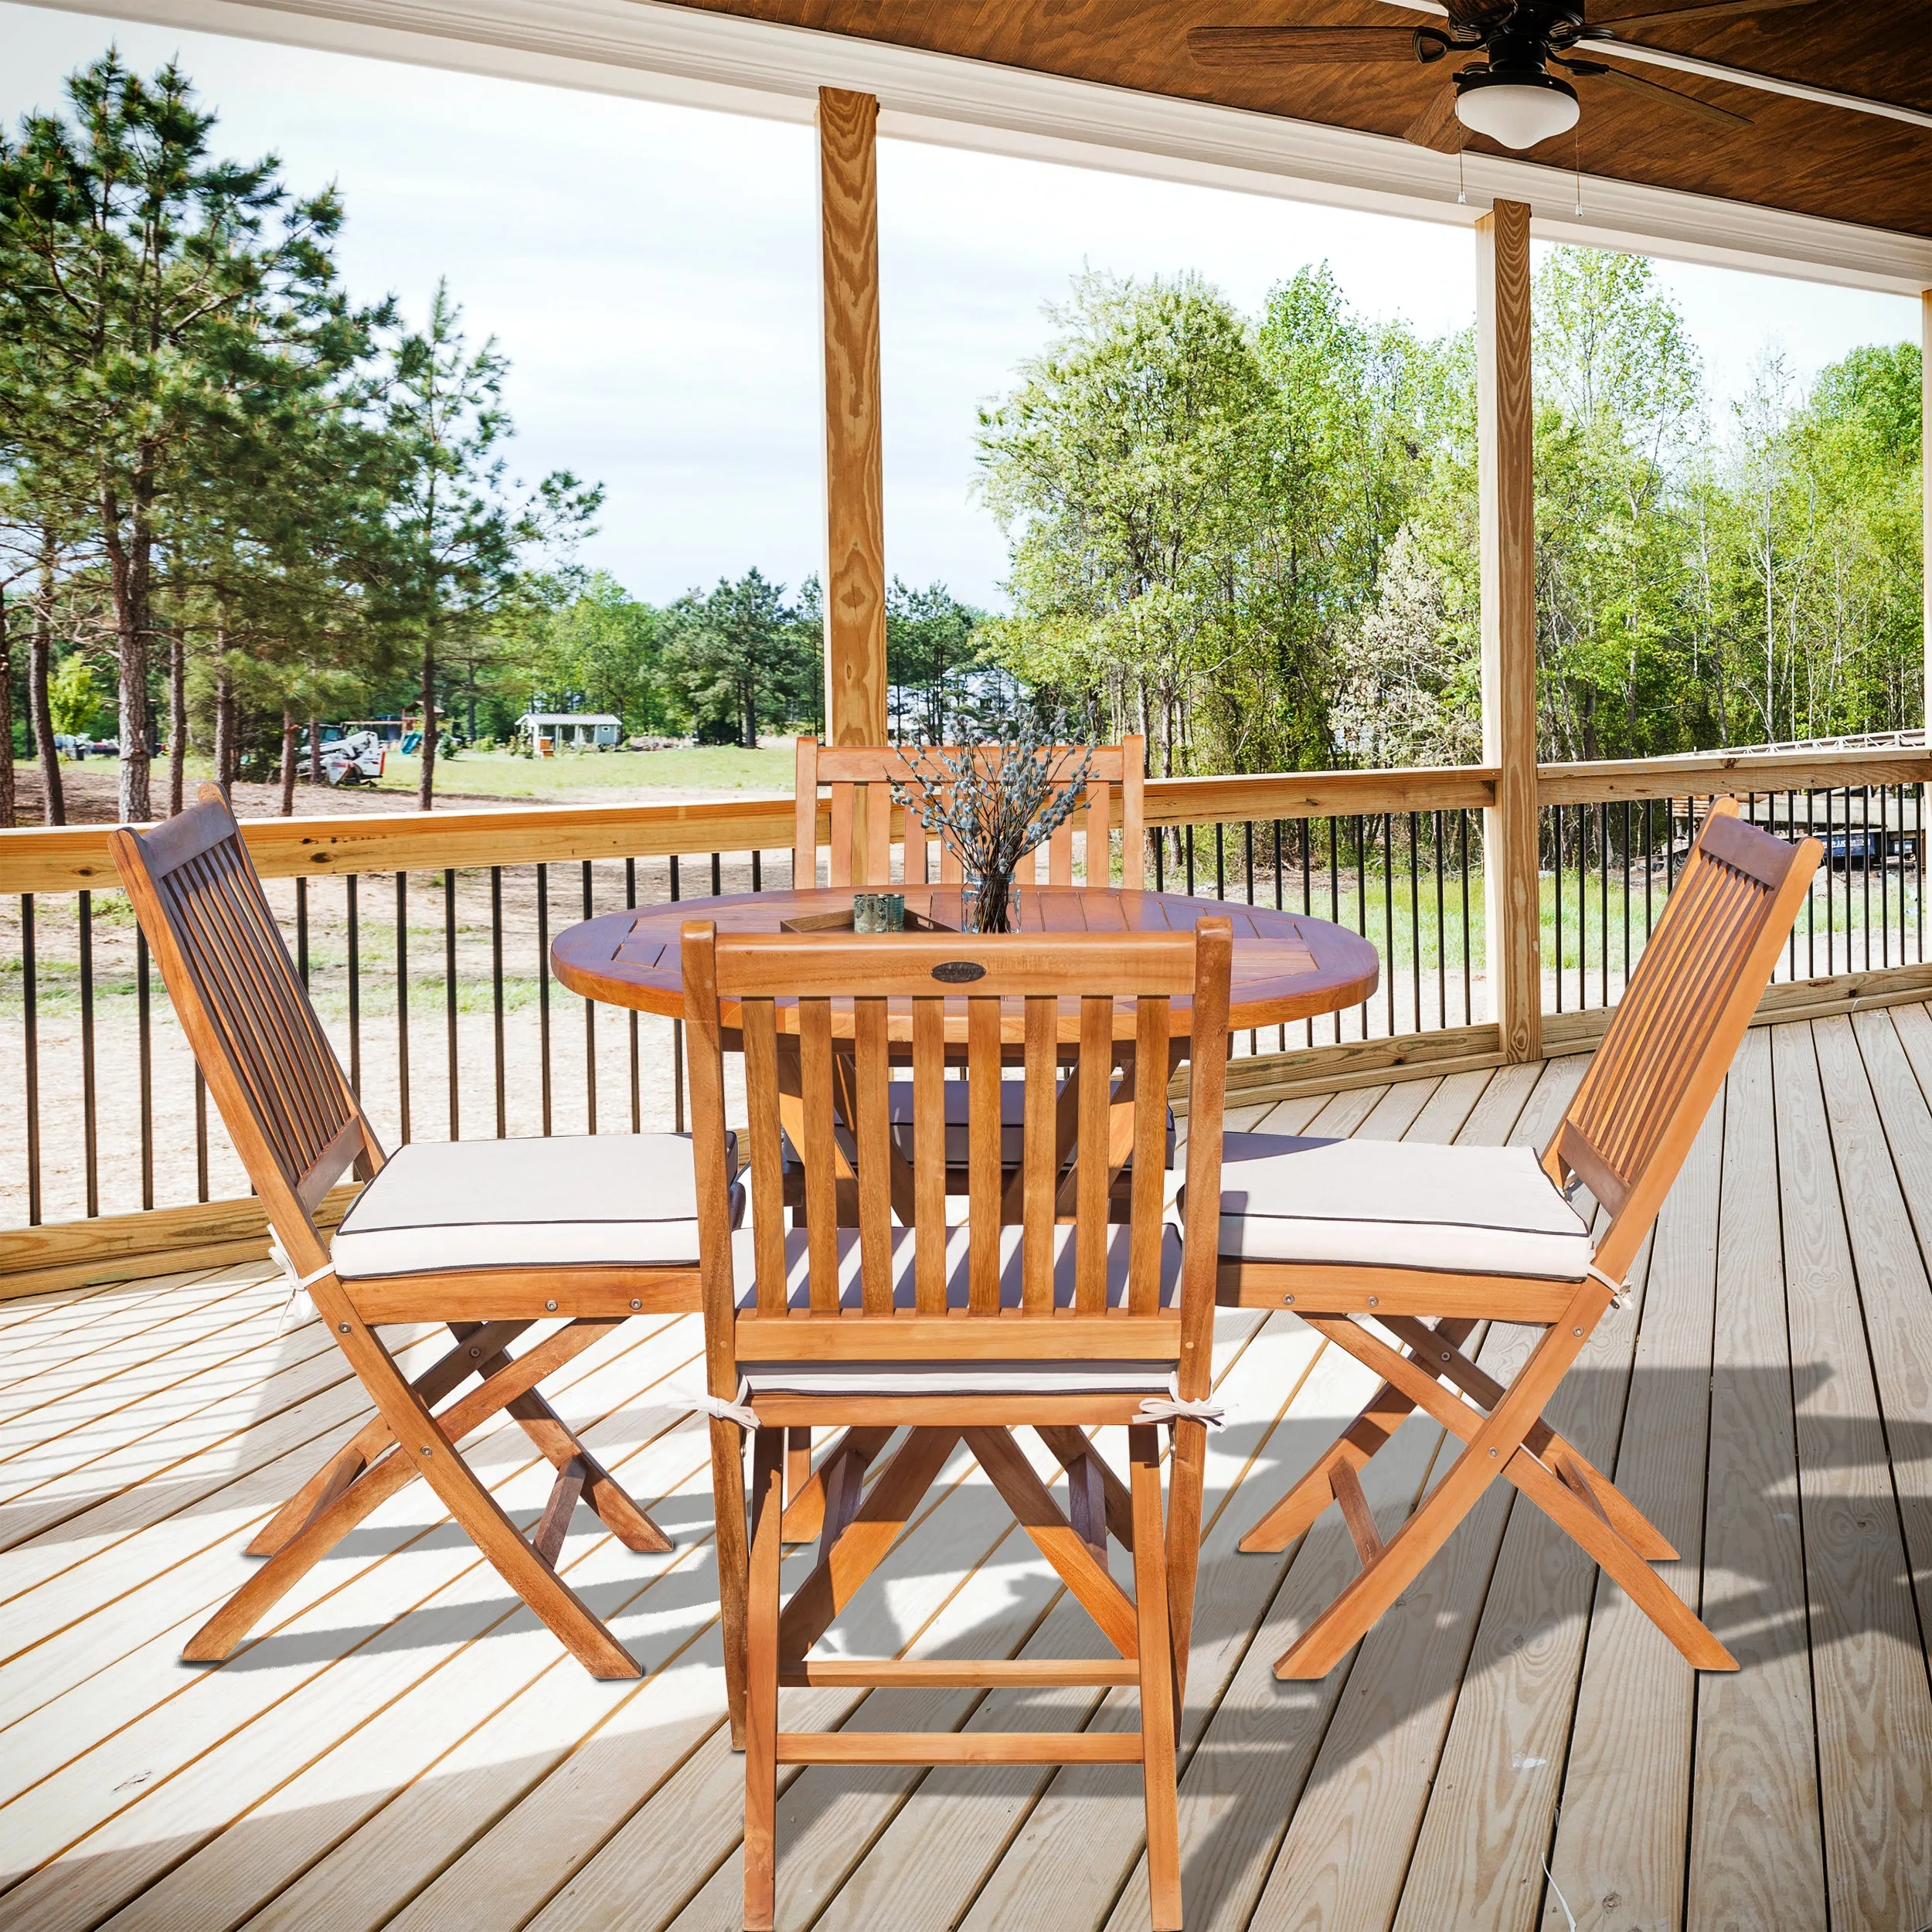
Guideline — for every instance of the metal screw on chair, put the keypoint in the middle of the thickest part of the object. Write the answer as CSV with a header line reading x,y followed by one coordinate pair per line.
x,y
425,1452
1445,1355
635,1306
474,1353
341,1327
428,1451
1576,1331
551,1306
1287,1301
1374,1301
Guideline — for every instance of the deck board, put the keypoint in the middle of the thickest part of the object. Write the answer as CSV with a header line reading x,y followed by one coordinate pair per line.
x,y
404,1746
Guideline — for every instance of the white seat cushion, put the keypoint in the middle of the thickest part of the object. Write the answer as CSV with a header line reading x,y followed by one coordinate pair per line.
x,y
588,1200
1402,1204
957,1247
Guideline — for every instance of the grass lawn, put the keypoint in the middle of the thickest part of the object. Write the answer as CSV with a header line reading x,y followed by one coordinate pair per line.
x,y
721,768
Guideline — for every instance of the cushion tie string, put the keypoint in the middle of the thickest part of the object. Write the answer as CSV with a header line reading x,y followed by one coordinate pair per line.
x,y
300,1303
1619,1291
1171,1408
703,1402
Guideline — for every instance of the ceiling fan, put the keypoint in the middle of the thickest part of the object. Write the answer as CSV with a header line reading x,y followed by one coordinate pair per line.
x,y
1508,92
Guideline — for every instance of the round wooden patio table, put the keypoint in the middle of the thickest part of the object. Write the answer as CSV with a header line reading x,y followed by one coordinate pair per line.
x,y
1286,965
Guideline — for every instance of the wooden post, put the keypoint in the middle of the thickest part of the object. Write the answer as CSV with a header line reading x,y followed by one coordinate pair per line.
x,y
1505,437
855,590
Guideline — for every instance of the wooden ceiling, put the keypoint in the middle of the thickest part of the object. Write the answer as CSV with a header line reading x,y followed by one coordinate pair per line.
x,y
1795,155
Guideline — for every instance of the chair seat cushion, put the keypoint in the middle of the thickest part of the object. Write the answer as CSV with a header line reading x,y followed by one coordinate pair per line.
x,y
958,1378
957,1248
1404,1204
586,1200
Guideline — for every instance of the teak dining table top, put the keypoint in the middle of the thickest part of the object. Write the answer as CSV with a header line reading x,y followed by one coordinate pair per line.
x,y
1286,965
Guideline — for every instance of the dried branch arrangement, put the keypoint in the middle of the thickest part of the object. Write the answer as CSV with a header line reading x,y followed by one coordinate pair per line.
x,y
996,802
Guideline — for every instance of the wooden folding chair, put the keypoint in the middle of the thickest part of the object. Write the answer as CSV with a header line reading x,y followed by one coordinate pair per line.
x,y
958,1335
859,779
492,1237
1427,1242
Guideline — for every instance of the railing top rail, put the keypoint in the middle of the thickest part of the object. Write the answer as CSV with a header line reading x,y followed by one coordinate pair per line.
x,y
1704,773
76,858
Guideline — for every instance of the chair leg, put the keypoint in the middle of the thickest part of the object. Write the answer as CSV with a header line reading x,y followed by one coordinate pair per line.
x,y
1158,1712
1381,1417
1187,1477
559,1442
424,1446
761,1681
728,1511
804,1501
479,1351
1342,1625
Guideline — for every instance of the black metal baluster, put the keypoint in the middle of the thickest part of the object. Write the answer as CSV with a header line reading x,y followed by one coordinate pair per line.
x,y
1389,916
1918,860
717,873
1811,897
402,1001
1160,858
636,1060
1650,849
301,929
677,1034
543,988
1583,907
1362,895
30,1056
1247,868
1603,903
1557,880
1791,944
496,998
590,1020
757,874
1830,936
1220,860
1865,854
1335,897
1467,996
1625,869
1442,932
449,997
201,1137
144,1003
354,996
1190,861
1415,922
89,1126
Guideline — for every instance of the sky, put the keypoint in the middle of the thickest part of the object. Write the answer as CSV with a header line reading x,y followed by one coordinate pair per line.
x,y
650,272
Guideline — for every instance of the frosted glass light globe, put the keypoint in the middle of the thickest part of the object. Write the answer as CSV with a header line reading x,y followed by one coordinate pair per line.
x,y
1518,109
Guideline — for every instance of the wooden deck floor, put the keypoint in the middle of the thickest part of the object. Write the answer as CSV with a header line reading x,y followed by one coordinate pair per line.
x,y
405,1747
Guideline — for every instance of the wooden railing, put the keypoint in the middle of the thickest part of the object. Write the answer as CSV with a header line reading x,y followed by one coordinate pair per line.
x,y
100,1110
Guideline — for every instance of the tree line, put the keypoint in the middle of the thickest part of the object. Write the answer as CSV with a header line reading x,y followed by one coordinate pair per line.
x,y
1255,538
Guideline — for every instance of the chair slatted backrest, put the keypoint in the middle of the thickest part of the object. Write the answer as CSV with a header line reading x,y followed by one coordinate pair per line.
x,y
276,1082
868,996
860,778
1677,1027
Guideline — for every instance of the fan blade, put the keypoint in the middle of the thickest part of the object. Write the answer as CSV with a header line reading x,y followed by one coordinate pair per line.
x,y
1436,126
1715,11
1476,13
1765,83
1298,47
1686,103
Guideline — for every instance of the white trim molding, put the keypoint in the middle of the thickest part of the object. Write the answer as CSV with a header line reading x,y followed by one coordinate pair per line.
x,y
693,57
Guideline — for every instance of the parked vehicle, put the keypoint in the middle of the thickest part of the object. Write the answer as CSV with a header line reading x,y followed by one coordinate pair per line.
x,y
355,759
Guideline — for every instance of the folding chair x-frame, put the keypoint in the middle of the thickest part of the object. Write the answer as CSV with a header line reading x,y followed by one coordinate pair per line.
x,y
1663,1059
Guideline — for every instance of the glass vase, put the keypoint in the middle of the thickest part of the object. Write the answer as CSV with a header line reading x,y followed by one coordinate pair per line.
x,y
989,903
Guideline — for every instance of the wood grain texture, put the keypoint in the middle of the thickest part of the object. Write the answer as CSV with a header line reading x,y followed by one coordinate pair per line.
x,y
1756,1858
1868,1677
1505,421
855,427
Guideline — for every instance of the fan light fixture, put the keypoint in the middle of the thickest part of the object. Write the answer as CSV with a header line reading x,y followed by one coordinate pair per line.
x,y
1518,106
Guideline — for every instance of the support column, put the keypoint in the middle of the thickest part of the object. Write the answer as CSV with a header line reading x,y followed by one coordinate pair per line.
x,y
1505,426
855,584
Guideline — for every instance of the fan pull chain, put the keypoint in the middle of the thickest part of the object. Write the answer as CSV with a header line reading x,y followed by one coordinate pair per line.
x,y
1462,196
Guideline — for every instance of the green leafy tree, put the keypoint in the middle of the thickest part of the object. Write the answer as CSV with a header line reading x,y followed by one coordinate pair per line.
x,y
149,290
74,697
466,538
738,658
932,653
